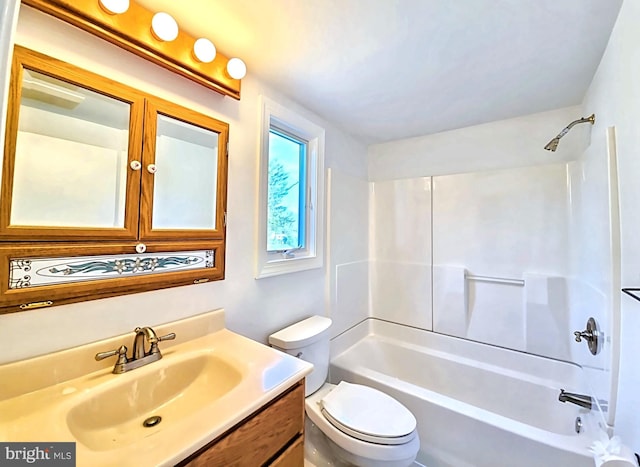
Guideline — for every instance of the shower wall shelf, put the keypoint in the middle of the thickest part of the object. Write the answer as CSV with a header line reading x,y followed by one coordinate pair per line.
x,y
635,293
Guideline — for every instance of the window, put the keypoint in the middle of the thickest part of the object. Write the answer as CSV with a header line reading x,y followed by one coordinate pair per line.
x,y
286,192
291,192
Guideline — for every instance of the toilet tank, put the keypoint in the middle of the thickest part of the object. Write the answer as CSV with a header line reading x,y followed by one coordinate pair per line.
x,y
308,340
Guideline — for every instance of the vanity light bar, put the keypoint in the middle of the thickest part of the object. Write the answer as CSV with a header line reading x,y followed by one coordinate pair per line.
x,y
154,36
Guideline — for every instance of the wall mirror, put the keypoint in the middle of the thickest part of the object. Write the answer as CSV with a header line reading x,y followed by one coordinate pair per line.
x,y
189,154
184,174
70,138
70,156
105,190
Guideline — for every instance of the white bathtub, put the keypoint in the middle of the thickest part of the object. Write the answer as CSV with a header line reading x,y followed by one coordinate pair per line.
x,y
476,405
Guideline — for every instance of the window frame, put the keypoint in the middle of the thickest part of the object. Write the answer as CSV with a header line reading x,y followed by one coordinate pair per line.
x,y
268,264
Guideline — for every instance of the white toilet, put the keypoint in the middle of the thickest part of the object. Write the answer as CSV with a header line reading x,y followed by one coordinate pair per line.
x,y
363,426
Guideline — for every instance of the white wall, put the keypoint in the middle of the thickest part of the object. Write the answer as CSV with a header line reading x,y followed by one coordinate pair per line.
x,y
254,307
614,95
347,250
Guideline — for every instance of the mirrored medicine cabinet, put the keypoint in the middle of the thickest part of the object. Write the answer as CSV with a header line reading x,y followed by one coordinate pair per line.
x,y
106,190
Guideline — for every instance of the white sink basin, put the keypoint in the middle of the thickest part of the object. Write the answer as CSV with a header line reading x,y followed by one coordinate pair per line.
x,y
113,416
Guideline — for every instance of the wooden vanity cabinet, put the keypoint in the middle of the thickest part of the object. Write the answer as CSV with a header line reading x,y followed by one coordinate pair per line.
x,y
271,436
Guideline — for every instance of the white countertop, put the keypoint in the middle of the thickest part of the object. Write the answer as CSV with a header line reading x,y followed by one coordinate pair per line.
x,y
37,395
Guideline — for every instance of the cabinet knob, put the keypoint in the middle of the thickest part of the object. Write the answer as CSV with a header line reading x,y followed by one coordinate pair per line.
x,y
152,168
141,247
135,165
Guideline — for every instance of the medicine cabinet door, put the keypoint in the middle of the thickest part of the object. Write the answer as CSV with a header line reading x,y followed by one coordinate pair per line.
x,y
184,176
69,170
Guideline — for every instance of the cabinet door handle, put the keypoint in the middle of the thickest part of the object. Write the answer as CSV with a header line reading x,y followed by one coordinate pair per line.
x,y
135,165
141,247
151,168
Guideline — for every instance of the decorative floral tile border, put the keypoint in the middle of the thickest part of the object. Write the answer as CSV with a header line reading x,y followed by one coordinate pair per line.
x,y
34,272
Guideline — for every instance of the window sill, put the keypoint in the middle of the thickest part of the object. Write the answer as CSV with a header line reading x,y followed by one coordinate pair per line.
x,y
285,266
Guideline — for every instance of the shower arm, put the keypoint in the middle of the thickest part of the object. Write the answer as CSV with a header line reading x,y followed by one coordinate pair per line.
x,y
591,119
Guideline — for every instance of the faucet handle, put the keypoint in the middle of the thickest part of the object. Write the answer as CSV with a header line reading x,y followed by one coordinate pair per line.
x,y
591,335
168,337
120,352
588,335
154,345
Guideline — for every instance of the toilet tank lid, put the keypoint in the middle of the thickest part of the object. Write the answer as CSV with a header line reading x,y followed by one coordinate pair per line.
x,y
301,334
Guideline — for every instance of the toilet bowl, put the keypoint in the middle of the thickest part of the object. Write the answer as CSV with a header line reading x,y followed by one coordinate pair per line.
x,y
372,441
362,426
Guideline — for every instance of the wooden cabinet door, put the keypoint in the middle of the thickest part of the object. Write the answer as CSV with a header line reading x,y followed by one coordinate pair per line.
x,y
71,146
273,430
184,177
292,457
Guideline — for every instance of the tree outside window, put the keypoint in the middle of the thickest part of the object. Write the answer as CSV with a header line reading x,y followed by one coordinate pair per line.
x,y
285,197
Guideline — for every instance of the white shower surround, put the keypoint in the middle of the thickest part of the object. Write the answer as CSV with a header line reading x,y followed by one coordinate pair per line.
x,y
434,239
476,405
504,207
509,224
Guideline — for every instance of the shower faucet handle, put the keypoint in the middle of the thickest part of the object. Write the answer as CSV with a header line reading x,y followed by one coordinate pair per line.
x,y
588,335
591,335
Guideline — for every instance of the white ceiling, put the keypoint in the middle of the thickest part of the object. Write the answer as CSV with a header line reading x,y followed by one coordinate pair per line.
x,y
391,69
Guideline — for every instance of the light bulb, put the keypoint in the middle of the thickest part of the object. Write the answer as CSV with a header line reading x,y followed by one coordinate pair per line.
x,y
204,50
236,68
114,7
164,27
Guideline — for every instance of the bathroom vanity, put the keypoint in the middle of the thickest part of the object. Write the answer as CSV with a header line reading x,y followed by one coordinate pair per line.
x,y
273,435
221,399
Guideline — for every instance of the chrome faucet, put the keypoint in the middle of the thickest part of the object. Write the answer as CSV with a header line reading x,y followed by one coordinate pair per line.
x,y
578,399
144,334
140,357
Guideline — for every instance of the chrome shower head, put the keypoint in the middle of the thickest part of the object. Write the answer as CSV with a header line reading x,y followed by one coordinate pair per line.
x,y
553,144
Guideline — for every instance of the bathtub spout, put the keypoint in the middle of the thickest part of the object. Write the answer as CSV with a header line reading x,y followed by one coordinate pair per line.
x,y
579,399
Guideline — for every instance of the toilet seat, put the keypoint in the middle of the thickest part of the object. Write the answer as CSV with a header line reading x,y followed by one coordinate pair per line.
x,y
368,415
368,453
